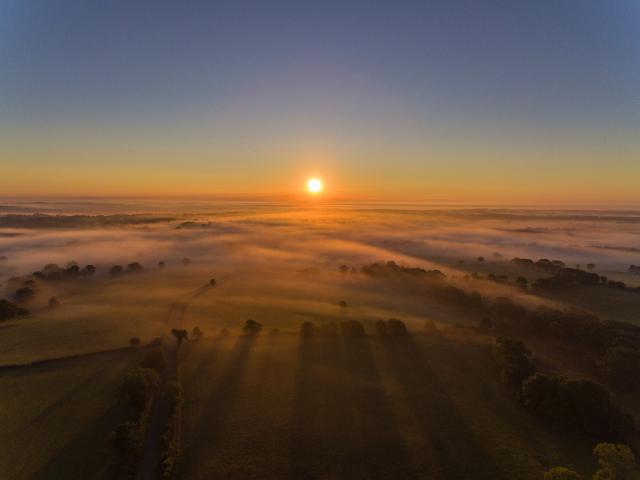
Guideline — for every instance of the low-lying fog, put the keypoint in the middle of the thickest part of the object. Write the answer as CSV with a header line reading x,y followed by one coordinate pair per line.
x,y
275,263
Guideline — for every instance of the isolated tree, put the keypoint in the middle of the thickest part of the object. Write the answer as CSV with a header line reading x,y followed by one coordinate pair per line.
x,y
134,267
53,302
212,282
186,261
344,269
134,341
115,271
616,462
224,332
561,473
180,334
342,304
88,270
251,327
480,259
196,333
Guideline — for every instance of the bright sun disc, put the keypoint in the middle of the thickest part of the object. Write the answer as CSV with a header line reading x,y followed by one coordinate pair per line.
x,y
314,185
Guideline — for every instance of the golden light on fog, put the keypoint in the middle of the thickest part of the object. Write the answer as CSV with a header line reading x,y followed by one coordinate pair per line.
x,y
314,186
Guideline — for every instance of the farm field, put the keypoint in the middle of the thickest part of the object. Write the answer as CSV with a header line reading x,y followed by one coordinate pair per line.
x,y
56,417
280,406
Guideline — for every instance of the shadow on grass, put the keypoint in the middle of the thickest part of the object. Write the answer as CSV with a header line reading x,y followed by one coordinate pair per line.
x,y
83,457
459,453
343,426
216,407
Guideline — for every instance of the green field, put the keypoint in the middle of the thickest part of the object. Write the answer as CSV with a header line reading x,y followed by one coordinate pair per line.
x,y
278,406
56,417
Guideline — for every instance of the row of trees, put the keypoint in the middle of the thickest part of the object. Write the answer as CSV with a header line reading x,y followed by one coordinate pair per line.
x,y
579,404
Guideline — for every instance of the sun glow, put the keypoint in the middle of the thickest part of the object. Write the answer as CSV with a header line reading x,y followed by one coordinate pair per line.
x,y
314,186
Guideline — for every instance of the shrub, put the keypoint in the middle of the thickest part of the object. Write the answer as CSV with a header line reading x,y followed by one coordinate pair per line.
x,y
616,462
561,473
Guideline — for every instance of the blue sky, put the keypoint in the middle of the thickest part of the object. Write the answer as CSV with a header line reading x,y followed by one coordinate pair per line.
x,y
353,76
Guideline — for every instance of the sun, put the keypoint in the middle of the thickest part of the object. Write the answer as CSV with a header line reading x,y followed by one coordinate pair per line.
x,y
314,186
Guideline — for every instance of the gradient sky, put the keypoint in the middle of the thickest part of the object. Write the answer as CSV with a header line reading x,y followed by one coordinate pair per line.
x,y
471,101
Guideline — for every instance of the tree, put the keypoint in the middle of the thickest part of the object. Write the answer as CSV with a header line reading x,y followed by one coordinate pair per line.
x,y
25,294
88,270
382,329
522,282
161,265
514,360
344,268
196,333
9,310
342,304
591,266
616,462
126,440
561,473
139,384
134,267
173,391
115,271
397,328
212,282
224,332
480,259
352,329
53,302
180,334
186,261
134,341
251,327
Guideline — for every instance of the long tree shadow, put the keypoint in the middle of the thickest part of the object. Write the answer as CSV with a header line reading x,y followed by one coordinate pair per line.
x,y
382,451
216,408
318,445
458,451
81,457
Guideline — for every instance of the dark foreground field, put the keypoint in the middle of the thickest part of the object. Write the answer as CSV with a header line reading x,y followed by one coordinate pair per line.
x,y
426,406
55,417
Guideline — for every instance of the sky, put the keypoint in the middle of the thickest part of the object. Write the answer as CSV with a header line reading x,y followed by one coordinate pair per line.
x,y
443,100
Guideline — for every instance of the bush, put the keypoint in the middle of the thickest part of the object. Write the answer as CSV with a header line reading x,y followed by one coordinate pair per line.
x,y
616,462
561,473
